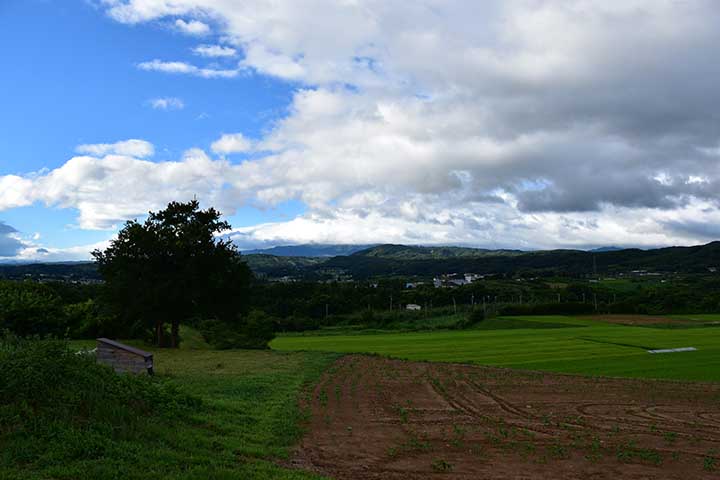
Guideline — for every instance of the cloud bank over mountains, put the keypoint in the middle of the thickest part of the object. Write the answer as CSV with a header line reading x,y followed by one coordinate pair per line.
x,y
520,123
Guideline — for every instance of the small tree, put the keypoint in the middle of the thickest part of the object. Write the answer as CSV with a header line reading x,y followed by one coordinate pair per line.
x,y
172,268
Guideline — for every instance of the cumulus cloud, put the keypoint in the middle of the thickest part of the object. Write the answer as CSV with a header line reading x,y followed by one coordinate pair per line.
x,y
132,147
193,27
15,191
513,122
10,243
166,103
214,51
231,143
113,188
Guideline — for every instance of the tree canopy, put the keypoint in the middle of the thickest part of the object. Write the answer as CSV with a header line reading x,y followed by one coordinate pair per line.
x,y
173,268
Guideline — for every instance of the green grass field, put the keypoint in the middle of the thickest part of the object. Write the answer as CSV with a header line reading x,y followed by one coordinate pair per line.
x,y
584,346
698,317
249,419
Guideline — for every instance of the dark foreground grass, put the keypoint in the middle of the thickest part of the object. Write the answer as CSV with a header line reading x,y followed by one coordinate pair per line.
x,y
246,421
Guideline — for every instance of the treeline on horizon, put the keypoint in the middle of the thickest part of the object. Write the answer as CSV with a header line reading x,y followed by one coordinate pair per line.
x,y
79,311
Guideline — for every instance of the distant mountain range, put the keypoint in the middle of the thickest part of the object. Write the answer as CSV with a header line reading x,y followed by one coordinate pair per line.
x,y
404,260
309,250
406,252
362,261
389,251
605,249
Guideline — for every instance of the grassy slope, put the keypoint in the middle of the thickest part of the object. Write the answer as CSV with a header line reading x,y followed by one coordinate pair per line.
x,y
586,347
249,418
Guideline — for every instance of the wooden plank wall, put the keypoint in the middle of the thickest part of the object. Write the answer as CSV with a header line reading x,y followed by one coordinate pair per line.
x,y
120,360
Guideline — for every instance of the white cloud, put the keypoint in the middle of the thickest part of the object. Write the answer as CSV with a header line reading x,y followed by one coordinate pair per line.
x,y
15,192
497,228
272,63
534,123
214,51
186,68
166,103
109,190
78,253
132,147
231,143
193,27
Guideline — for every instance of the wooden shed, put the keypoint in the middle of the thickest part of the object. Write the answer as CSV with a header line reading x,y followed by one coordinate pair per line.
x,y
124,358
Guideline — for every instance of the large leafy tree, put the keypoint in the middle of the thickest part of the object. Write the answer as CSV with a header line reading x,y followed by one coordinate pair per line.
x,y
173,268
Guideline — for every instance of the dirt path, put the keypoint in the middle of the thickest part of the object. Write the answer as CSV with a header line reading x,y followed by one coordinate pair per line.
x,y
376,418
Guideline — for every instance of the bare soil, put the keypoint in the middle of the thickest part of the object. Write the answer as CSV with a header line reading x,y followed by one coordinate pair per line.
x,y
378,418
640,320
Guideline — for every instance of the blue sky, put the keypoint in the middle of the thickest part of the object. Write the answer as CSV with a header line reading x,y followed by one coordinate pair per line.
x,y
495,124
71,79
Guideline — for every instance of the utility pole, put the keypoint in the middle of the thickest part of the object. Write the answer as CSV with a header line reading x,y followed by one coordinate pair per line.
x,y
454,305
594,265
472,300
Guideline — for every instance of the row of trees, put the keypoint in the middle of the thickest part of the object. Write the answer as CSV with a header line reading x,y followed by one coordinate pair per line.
x,y
175,268
309,303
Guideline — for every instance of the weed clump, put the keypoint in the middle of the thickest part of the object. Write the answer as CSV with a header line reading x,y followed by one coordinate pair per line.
x,y
442,466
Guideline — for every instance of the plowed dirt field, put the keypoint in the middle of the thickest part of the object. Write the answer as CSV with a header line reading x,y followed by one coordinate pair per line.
x,y
378,418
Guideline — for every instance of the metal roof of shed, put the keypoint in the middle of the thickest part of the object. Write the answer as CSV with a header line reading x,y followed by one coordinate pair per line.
x,y
127,348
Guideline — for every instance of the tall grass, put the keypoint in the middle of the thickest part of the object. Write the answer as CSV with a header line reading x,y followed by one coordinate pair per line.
x,y
57,405
206,414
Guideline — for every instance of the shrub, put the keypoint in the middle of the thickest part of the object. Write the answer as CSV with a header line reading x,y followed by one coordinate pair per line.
x,y
477,315
252,331
296,323
368,317
30,308
88,320
58,405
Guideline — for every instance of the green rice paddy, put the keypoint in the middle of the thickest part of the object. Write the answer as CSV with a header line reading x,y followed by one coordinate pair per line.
x,y
582,346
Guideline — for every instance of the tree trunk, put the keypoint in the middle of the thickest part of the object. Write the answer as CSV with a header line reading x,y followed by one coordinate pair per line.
x,y
175,337
160,333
